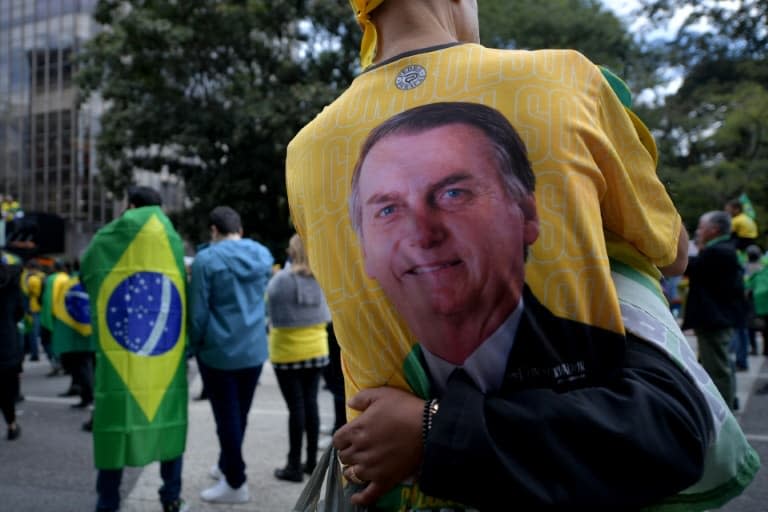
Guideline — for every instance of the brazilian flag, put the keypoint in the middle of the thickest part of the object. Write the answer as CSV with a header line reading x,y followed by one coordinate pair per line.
x,y
133,270
746,206
46,303
71,312
8,257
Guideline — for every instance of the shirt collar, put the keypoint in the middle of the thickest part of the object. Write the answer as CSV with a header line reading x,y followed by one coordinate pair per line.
x,y
486,365
719,239
411,53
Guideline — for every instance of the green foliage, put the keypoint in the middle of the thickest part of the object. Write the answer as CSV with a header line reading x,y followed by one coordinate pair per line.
x,y
583,25
732,29
213,91
713,133
714,140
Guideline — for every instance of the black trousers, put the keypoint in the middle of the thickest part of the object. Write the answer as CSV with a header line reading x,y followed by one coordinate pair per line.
x,y
299,388
80,366
334,379
9,389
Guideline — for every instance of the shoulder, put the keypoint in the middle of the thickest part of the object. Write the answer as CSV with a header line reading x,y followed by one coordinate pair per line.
x,y
720,253
281,279
724,246
203,257
315,131
255,248
552,58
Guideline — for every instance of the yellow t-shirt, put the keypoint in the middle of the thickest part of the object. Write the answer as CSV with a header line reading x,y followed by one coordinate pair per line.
x,y
597,191
293,344
743,226
35,289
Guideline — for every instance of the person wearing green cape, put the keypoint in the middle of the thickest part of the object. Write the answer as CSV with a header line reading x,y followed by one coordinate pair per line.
x,y
11,353
133,271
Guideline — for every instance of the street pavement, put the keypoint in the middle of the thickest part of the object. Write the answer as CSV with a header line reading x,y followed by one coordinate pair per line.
x,y
50,467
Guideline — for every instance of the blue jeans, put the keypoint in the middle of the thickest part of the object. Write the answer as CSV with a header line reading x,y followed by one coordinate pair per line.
x,y
740,347
230,393
108,485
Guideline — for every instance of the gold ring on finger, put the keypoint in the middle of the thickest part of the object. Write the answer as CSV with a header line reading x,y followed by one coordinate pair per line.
x,y
352,476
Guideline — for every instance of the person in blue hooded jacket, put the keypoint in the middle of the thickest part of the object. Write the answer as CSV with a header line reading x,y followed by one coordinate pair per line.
x,y
228,336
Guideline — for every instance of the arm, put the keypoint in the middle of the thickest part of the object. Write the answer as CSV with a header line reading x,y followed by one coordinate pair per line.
x,y
18,309
677,267
367,442
198,307
627,443
638,438
35,286
635,204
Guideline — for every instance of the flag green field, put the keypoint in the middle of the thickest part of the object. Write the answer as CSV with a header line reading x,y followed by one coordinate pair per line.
x,y
70,312
134,273
746,205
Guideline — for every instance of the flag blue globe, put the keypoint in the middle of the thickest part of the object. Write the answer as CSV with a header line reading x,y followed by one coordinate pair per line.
x,y
77,304
144,313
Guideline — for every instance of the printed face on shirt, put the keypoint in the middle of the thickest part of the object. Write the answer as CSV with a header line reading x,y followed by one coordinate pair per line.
x,y
440,233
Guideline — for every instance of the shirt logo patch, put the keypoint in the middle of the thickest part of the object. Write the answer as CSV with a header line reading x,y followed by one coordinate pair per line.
x,y
410,77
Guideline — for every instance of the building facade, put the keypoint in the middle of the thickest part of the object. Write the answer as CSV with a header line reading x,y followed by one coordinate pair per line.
x,y
47,140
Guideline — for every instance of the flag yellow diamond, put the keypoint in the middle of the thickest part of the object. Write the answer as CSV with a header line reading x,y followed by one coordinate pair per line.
x,y
141,316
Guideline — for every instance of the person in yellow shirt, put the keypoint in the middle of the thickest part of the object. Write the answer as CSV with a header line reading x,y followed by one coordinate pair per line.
x,y
608,228
599,197
298,351
32,289
10,207
743,227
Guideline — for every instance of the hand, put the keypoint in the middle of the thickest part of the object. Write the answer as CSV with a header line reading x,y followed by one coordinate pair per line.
x,y
383,445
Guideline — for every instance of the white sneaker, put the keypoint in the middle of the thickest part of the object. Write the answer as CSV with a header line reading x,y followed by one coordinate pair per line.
x,y
223,493
215,472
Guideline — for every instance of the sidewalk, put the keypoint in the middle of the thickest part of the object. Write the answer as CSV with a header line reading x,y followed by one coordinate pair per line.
x,y
744,380
265,448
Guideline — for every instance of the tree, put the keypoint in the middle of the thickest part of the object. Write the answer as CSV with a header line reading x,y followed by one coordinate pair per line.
x,y
713,27
713,132
213,91
583,25
714,138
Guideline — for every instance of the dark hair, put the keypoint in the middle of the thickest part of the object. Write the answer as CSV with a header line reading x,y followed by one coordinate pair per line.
x,y
225,219
735,204
139,196
754,253
509,150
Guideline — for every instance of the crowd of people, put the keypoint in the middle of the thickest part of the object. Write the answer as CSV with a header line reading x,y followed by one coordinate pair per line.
x,y
98,323
494,272
723,297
